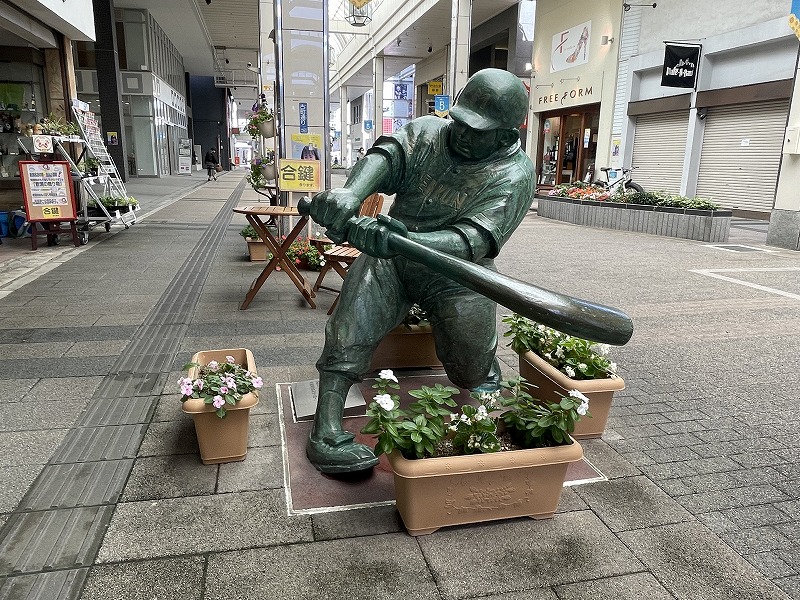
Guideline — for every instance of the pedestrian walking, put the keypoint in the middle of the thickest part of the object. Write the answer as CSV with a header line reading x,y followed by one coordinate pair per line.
x,y
211,164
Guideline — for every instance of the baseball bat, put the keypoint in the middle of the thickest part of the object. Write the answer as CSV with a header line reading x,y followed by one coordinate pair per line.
x,y
567,314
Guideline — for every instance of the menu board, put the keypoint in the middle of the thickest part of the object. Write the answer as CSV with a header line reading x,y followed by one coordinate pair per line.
x,y
47,191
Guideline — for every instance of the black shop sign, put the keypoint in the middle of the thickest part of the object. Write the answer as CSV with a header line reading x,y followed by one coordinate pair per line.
x,y
680,65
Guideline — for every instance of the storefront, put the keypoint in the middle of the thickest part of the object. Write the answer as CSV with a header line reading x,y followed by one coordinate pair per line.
x,y
568,145
572,90
36,77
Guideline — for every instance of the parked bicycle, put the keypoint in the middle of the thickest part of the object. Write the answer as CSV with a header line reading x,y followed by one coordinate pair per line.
x,y
624,182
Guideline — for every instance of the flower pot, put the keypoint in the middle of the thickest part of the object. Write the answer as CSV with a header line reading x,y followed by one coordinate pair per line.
x,y
257,249
270,171
267,128
406,346
222,440
437,492
551,384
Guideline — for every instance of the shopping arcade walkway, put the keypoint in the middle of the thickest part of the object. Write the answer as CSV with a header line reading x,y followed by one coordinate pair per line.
x,y
700,465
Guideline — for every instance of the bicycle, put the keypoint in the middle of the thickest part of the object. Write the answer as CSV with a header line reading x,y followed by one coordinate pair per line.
x,y
625,183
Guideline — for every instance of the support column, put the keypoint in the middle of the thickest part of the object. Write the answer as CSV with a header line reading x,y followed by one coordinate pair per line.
x,y
377,84
109,83
460,32
344,118
301,36
784,221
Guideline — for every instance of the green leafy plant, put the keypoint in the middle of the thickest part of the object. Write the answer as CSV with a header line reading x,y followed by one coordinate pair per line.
x,y
249,231
256,176
219,384
54,125
303,253
261,115
505,420
575,357
114,201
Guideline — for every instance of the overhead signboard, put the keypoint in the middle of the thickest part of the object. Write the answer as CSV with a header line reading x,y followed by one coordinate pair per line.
x,y
680,65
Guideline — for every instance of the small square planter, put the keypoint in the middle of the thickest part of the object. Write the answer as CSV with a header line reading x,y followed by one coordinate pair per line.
x,y
551,384
406,347
222,440
257,249
454,490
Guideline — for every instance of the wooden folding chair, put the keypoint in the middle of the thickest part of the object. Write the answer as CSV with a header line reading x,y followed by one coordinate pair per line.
x,y
341,256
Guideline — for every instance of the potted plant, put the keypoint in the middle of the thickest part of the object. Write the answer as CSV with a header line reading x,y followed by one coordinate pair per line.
x,y
305,255
555,363
505,455
261,122
409,345
262,171
256,247
219,391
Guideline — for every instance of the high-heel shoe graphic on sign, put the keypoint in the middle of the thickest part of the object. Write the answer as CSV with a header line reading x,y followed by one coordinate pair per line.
x,y
582,45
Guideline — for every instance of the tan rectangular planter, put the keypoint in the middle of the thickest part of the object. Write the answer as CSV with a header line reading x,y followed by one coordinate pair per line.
x,y
222,440
437,492
551,384
406,347
257,249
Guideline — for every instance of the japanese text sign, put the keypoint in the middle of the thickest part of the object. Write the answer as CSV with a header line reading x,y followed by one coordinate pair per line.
x,y
47,191
299,175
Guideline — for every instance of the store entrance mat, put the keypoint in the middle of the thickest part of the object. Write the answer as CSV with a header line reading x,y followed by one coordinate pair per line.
x,y
308,491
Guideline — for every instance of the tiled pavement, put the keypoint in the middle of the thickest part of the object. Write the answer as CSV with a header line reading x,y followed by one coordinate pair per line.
x,y
102,494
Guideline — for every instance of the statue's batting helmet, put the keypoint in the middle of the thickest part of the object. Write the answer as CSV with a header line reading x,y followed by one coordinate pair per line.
x,y
491,99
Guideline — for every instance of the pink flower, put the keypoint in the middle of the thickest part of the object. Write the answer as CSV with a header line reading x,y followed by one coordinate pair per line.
x,y
230,359
199,383
186,389
213,365
257,382
219,401
223,390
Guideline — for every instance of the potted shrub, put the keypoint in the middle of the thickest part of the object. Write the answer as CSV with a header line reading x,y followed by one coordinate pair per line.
x,y
261,121
262,171
555,363
219,391
504,456
256,247
410,345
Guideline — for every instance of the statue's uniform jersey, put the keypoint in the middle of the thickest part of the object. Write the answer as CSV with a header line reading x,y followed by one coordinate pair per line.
x,y
434,192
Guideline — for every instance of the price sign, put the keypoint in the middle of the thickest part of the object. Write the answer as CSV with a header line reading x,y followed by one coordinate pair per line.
x,y
47,191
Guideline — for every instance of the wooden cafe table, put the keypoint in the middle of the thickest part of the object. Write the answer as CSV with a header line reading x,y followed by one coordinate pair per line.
x,y
256,216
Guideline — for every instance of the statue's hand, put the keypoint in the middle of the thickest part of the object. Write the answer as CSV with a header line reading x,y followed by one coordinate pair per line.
x,y
334,208
372,235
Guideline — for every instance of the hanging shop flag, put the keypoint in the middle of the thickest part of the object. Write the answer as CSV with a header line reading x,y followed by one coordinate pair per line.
x,y
680,65
794,17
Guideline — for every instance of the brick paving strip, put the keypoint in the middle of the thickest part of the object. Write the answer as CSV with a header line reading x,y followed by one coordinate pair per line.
x,y
53,536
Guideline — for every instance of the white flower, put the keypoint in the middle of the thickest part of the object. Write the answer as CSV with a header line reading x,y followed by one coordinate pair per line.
x,y
481,414
466,419
582,366
384,401
612,367
569,371
602,349
559,353
584,401
387,374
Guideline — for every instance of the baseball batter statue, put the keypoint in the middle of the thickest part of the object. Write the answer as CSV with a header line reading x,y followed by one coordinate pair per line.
x,y
462,187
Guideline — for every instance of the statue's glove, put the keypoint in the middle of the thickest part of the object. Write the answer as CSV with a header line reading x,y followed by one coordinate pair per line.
x,y
373,235
333,209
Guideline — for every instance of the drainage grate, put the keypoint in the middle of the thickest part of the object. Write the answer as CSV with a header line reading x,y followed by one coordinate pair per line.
x,y
737,248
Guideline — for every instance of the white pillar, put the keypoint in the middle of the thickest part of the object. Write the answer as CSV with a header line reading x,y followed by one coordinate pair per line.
x,y
344,118
377,79
460,31
784,221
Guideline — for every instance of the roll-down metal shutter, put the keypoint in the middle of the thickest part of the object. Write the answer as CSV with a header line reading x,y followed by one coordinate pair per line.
x,y
659,145
742,146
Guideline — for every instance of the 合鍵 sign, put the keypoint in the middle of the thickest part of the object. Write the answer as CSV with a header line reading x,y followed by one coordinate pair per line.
x,y
47,191
299,175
